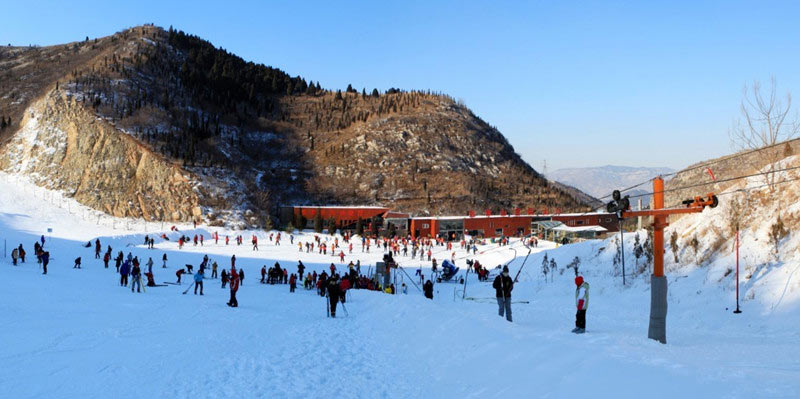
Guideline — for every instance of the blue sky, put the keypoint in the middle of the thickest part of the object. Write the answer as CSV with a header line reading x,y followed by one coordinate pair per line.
x,y
574,83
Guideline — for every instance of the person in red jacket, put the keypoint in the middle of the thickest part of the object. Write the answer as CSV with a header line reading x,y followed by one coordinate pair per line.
x,y
263,273
582,302
234,284
292,282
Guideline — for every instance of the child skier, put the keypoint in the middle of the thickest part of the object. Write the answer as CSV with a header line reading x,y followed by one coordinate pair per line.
x,y
582,302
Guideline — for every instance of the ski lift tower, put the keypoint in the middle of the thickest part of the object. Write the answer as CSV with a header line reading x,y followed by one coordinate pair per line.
x,y
658,282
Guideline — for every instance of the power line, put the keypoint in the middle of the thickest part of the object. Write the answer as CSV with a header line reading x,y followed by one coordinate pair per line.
x,y
725,158
716,181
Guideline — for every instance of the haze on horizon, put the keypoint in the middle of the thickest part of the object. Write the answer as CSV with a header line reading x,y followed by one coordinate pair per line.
x,y
575,84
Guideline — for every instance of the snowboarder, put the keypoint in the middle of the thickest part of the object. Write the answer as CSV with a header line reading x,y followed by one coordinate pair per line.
x,y
77,263
503,286
428,289
198,282
582,302
234,287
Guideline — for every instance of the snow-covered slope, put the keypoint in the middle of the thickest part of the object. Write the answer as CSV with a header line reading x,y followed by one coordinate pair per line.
x,y
77,333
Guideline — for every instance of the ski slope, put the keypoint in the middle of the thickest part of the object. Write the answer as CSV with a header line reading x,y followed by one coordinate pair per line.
x,y
77,333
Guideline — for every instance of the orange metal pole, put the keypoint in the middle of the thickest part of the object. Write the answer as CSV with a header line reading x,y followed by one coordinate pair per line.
x,y
659,222
658,283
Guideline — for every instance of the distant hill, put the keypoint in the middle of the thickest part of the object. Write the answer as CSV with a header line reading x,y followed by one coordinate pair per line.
x,y
162,125
601,181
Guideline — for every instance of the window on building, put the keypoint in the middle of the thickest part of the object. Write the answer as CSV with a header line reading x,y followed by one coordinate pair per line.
x,y
580,222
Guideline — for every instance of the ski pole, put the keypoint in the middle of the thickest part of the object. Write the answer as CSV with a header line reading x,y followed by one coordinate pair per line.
x,y
190,287
346,313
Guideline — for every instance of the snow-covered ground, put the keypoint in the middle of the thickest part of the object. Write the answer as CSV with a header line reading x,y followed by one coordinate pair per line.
x,y
77,333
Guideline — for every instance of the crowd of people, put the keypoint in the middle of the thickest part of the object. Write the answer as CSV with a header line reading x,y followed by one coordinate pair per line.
x,y
328,283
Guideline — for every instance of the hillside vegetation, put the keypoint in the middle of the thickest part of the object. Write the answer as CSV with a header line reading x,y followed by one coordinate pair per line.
x,y
247,137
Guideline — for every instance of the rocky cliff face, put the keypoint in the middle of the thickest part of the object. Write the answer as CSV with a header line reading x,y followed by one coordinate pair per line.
x,y
63,146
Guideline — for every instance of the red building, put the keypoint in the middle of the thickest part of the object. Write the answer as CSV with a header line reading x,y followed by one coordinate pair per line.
x,y
486,225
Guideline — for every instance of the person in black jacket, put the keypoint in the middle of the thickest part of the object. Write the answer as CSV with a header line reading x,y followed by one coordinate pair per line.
x,y
428,289
334,291
503,286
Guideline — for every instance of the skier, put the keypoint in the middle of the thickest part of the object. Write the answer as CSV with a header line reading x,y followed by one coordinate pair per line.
x,y
21,253
45,258
503,286
214,270
404,289
97,248
198,281
234,287
118,260
263,273
233,261
428,289
106,258
292,283
241,276
582,302
123,273
164,260
77,263
179,273
255,243
334,292
150,265
14,256
136,278
300,268
224,278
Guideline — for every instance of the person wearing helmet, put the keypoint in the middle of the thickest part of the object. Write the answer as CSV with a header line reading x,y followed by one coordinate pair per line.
x,y
503,286
582,302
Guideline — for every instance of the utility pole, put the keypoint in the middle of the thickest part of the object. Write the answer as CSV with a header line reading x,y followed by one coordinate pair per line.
x,y
737,311
639,222
658,281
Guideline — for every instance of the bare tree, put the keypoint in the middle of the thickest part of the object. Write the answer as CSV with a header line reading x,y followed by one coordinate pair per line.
x,y
766,119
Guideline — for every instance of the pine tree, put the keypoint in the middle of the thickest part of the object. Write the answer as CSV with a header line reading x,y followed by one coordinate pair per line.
x,y
338,95
360,227
268,224
545,264
318,221
301,222
332,225
375,93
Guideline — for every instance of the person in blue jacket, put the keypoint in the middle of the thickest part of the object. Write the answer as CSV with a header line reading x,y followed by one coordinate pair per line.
x,y
198,281
45,260
123,273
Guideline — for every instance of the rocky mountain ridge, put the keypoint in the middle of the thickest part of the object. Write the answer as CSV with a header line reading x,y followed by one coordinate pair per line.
x,y
159,124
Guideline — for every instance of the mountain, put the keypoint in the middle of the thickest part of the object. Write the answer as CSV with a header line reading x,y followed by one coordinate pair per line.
x,y
161,125
601,181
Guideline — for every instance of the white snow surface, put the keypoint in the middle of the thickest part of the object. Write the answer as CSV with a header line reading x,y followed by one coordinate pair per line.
x,y
75,333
